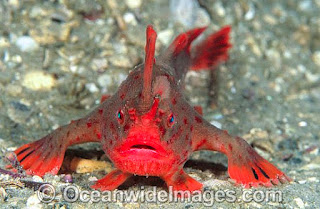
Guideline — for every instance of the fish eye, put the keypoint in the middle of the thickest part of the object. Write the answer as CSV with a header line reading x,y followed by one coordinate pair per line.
x,y
171,119
120,116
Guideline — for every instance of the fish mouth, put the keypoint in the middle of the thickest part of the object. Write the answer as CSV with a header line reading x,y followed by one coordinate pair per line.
x,y
142,146
142,149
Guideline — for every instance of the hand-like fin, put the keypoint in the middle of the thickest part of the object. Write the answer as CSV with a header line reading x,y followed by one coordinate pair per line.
x,y
111,181
245,165
46,155
182,183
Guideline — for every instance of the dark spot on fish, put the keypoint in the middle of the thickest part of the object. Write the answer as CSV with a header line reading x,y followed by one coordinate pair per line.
x,y
126,127
174,101
181,179
216,137
264,173
255,174
22,151
176,135
230,147
162,130
185,120
198,120
26,156
99,135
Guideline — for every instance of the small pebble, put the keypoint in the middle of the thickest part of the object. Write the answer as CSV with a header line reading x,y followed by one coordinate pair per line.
x,y
104,80
184,11
312,149
38,80
217,116
81,165
92,178
216,124
316,58
133,4
215,183
68,178
14,90
303,124
26,44
302,181
305,5
33,202
219,9
92,87
299,202
165,36
129,18
313,165
120,61
99,64
313,179
3,194
270,20
121,77
37,179
250,13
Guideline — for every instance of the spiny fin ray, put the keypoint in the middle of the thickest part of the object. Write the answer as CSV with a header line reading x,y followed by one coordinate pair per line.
x,y
148,66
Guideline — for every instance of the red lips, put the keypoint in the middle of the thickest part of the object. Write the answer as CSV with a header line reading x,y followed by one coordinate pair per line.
x,y
142,148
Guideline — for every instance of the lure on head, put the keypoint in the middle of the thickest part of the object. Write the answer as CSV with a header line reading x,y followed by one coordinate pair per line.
x,y
148,67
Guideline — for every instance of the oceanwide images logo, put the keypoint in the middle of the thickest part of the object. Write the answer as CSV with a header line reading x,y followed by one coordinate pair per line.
x,y
47,194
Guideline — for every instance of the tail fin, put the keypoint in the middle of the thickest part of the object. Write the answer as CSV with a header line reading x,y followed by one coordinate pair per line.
x,y
212,50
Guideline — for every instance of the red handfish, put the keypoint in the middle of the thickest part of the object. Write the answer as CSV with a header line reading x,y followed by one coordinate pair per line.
x,y
147,127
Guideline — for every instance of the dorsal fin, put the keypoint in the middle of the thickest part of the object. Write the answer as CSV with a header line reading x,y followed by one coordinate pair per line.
x,y
148,65
183,42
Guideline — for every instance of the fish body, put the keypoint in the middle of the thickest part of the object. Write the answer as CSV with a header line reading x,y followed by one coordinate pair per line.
x,y
147,127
